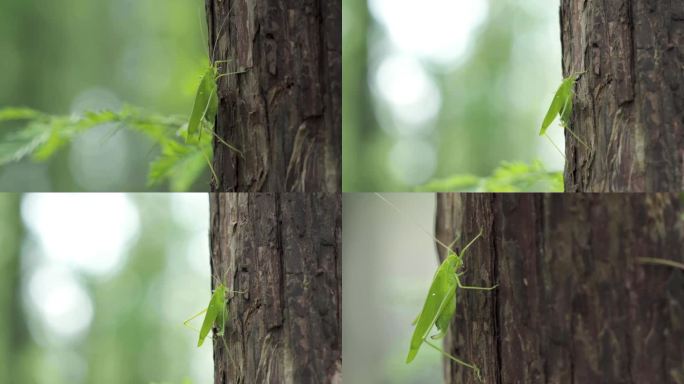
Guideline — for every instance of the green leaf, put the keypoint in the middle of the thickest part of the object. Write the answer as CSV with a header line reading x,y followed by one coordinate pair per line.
x,y
180,164
21,143
43,135
13,113
522,177
464,182
508,177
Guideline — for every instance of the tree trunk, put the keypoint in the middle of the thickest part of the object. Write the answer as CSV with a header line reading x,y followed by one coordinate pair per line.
x,y
16,344
630,102
284,111
358,125
284,251
573,304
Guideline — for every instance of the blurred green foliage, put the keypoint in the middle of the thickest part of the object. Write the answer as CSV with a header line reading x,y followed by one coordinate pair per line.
x,y
490,99
41,135
509,177
135,334
388,265
68,57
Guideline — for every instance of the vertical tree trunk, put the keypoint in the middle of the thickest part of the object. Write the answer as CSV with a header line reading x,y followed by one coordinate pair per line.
x,y
284,250
573,304
15,342
630,102
284,111
357,103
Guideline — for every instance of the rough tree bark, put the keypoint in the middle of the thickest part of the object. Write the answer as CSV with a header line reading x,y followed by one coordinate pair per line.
x,y
573,305
630,102
284,111
285,251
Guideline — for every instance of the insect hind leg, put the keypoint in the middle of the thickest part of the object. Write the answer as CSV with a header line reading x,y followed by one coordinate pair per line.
x,y
457,360
186,322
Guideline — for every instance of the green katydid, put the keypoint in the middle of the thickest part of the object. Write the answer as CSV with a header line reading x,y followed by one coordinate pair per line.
x,y
205,106
562,105
216,314
440,304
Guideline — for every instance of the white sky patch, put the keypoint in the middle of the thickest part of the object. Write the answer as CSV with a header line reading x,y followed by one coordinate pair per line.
x,y
95,99
87,232
191,210
410,92
412,161
197,254
437,30
64,306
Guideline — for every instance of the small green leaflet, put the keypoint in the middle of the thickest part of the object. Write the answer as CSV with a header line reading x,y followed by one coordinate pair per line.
x,y
41,136
217,313
561,104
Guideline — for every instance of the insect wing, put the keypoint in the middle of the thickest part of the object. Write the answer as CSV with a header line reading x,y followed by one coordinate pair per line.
x,y
566,113
221,316
558,103
434,278
215,306
445,316
434,305
202,101
212,107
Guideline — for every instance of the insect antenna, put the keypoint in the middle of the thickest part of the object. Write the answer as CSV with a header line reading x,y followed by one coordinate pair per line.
x,y
447,247
199,18
218,34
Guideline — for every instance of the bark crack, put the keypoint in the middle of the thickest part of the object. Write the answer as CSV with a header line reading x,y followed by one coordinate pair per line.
x,y
495,306
279,241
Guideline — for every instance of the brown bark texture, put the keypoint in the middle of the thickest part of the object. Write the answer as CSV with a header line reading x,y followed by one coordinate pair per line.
x,y
629,106
284,250
574,305
284,111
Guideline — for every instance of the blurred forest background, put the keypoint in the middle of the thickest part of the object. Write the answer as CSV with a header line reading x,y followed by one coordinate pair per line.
x,y
388,265
72,56
94,288
446,87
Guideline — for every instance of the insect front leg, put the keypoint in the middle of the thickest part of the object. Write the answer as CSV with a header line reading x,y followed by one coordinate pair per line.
x,y
471,242
458,284
230,73
223,61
